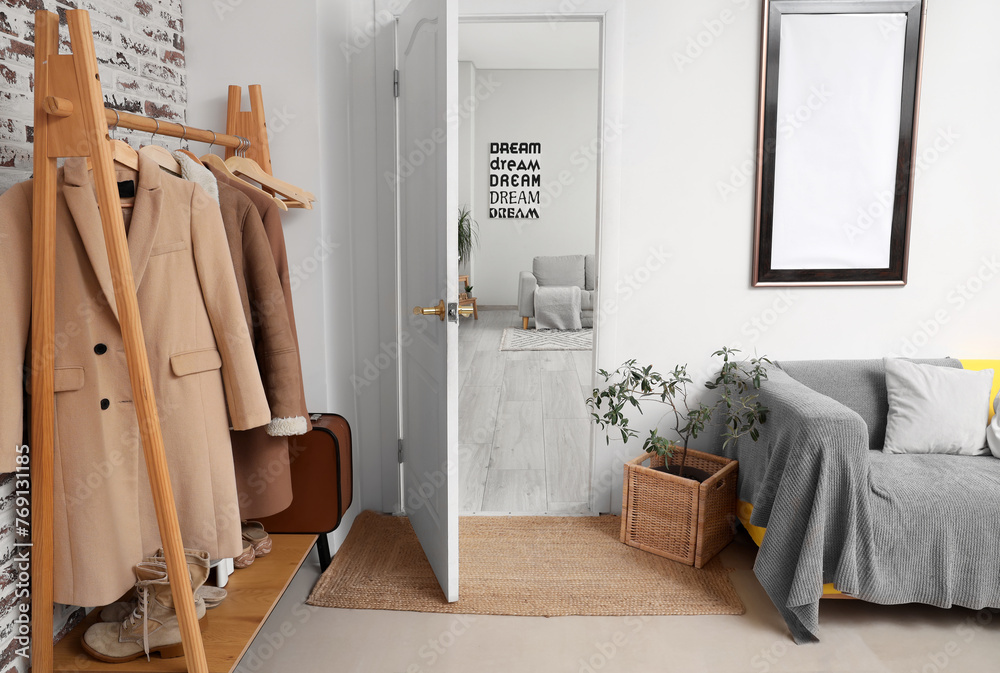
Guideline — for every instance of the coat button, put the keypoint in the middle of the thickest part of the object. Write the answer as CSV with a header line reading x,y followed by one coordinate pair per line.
x,y
105,403
100,349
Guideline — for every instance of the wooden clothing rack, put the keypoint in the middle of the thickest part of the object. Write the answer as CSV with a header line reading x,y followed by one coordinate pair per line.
x,y
71,121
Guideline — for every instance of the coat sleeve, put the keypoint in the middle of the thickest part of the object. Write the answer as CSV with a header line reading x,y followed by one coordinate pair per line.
x,y
244,391
15,298
276,239
277,352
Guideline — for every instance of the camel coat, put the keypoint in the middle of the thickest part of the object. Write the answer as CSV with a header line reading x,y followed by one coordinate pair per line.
x,y
201,359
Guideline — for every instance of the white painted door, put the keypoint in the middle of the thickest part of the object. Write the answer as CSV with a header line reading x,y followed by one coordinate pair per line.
x,y
427,188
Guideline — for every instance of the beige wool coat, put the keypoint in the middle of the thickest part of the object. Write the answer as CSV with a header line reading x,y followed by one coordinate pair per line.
x,y
201,359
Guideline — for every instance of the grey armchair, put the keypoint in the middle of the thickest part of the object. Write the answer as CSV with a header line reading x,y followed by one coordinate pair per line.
x,y
565,270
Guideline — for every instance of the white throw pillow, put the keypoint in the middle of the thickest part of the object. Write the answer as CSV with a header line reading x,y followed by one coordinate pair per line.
x,y
936,409
993,432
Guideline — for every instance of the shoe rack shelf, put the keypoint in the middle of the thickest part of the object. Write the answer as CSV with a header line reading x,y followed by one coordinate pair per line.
x,y
226,630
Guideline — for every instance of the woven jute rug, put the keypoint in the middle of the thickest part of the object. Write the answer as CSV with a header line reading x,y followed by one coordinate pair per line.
x,y
517,339
527,566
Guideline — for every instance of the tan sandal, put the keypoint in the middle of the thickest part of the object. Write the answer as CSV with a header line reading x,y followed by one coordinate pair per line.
x,y
254,533
245,558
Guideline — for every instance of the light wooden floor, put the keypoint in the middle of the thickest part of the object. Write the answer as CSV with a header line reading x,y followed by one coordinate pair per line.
x,y
523,426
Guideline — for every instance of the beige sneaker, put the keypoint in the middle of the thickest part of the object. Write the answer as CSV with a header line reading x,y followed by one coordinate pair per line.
x,y
150,627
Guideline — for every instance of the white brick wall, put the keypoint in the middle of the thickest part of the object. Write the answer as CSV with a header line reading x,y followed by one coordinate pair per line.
x,y
140,52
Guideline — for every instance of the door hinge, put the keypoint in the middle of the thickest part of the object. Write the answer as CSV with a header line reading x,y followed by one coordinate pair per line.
x,y
399,451
395,83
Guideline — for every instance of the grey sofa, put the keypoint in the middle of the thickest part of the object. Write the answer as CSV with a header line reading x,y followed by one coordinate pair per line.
x,y
884,528
564,270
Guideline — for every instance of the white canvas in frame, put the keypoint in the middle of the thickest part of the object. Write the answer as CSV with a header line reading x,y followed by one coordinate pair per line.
x,y
837,140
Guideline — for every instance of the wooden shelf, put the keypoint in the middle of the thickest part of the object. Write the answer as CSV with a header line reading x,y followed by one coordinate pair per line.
x,y
227,630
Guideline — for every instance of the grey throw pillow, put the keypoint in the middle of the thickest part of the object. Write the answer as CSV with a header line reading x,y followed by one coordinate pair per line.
x,y
559,271
936,409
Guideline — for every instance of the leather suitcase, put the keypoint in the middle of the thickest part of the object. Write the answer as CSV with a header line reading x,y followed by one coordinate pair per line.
x,y
322,482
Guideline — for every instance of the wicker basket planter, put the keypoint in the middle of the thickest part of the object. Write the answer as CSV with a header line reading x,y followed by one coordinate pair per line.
x,y
679,519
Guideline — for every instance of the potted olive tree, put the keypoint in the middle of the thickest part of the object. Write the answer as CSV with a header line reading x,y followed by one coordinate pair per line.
x,y
682,505
468,234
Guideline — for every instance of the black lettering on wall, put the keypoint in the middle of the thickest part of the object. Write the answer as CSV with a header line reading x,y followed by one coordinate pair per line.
x,y
514,180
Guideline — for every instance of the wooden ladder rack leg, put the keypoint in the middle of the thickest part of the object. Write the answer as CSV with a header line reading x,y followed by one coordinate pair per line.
x,y
70,121
43,308
249,124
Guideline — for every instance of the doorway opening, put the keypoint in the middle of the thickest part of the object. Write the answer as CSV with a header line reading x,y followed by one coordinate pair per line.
x,y
530,119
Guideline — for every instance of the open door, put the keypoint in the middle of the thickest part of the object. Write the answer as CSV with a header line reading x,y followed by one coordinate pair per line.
x,y
427,191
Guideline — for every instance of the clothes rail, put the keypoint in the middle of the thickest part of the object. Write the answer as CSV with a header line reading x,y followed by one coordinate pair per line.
x,y
248,154
126,120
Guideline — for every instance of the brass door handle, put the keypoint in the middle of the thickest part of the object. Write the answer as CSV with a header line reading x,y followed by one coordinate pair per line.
x,y
465,310
438,310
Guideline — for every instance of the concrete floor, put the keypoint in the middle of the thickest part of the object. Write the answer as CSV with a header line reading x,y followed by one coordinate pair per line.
x,y
857,637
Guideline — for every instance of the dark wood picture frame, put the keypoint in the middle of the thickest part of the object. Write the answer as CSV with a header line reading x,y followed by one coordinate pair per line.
x,y
896,272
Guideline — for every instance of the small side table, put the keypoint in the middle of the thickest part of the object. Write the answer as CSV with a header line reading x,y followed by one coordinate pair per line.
x,y
466,300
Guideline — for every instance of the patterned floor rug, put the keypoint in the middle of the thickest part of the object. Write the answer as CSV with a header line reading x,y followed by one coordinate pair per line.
x,y
517,339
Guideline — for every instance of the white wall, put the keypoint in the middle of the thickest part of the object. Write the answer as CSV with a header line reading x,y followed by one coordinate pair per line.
x,y
687,134
295,54
691,127
557,108
687,128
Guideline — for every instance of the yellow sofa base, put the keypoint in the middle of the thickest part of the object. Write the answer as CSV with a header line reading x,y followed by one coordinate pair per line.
x,y
743,512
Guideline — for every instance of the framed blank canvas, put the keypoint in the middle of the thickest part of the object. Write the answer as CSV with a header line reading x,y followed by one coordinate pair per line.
x,y
839,95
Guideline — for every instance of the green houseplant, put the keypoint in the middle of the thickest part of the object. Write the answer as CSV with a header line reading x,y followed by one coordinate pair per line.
x,y
468,233
631,384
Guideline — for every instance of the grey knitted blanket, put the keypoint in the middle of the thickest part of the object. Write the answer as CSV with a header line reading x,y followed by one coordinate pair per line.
x,y
558,307
884,528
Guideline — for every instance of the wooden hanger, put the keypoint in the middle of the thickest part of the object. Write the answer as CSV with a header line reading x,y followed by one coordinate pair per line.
x,y
295,197
251,158
161,156
215,161
191,156
122,153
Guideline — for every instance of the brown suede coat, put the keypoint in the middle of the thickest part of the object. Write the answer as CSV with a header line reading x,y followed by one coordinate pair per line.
x,y
271,217
260,455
